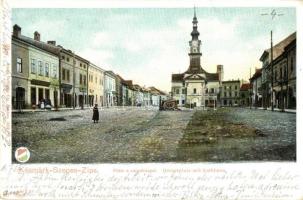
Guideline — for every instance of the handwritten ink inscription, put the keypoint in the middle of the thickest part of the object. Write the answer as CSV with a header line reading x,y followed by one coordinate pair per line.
x,y
120,183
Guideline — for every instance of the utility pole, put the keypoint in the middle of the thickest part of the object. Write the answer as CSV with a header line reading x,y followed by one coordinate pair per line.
x,y
74,84
273,15
272,73
250,89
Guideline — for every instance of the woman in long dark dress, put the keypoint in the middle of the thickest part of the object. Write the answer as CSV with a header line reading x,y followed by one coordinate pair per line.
x,y
96,113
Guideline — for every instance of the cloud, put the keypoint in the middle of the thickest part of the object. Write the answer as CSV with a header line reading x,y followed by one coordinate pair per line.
x,y
101,39
99,57
149,56
49,29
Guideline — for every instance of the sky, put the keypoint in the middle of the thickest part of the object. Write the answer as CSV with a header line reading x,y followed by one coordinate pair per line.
x,y
147,45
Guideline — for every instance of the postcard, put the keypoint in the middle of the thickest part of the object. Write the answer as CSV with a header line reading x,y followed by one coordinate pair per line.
x,y
151,100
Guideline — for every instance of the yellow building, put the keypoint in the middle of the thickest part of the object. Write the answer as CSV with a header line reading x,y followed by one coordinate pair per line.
x,y
95,85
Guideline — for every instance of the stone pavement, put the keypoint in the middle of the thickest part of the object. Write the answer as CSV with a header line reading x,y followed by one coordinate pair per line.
x,y
134,134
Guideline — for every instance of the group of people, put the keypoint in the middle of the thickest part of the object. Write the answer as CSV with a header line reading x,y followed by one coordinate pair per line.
x,y
45,103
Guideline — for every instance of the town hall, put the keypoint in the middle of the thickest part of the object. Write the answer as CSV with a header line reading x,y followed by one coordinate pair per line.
x,y
196,87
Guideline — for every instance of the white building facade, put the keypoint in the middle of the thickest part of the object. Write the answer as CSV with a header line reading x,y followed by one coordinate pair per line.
x,y
109,89
196,87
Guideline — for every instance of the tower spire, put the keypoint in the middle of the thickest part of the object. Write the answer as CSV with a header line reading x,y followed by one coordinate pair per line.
x,y
195,33
195,44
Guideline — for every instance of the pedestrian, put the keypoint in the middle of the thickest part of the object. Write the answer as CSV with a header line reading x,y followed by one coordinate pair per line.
x,y
96,113
42,104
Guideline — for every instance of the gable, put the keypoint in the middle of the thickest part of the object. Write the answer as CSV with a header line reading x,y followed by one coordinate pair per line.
x,y
194,77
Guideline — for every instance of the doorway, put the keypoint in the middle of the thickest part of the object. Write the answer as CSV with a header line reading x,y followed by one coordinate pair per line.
x,y
20,98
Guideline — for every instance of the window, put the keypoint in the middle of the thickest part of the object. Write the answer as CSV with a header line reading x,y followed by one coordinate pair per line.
x,y
84,80
206,91
236,94
280,72
224,94
177,91
80,79
195,90
33,66
67,75
63,57
183,101
230,94
224,87
80,64
40,68
63,74
183,92
67,59
291,64
54,71
19,65
236,87
285,74
212,90
46,69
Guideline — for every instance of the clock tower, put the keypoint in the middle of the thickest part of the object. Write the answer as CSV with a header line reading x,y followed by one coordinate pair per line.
x,y
196,86
194,45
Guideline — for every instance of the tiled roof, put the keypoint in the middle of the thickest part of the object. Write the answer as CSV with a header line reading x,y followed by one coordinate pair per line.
x,y
111,73
231,81
39,44
257,74
245,86
209,77
279,48
128,82
156,91
137,87
212,77
199,70
177,77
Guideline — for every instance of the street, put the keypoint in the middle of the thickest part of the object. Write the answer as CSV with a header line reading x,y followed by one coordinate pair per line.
x,y
134,134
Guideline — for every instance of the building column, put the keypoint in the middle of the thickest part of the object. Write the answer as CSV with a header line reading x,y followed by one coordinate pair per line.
x,y
29,93
63,98
37,95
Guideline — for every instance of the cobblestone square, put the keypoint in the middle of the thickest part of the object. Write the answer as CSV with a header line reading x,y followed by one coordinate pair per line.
x,y
133,134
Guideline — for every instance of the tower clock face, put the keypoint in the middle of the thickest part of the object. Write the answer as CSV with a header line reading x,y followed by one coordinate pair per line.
x,y
195,43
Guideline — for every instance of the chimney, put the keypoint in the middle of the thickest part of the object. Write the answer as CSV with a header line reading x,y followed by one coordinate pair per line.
x,y
17,30
37,36
220,72
51,42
